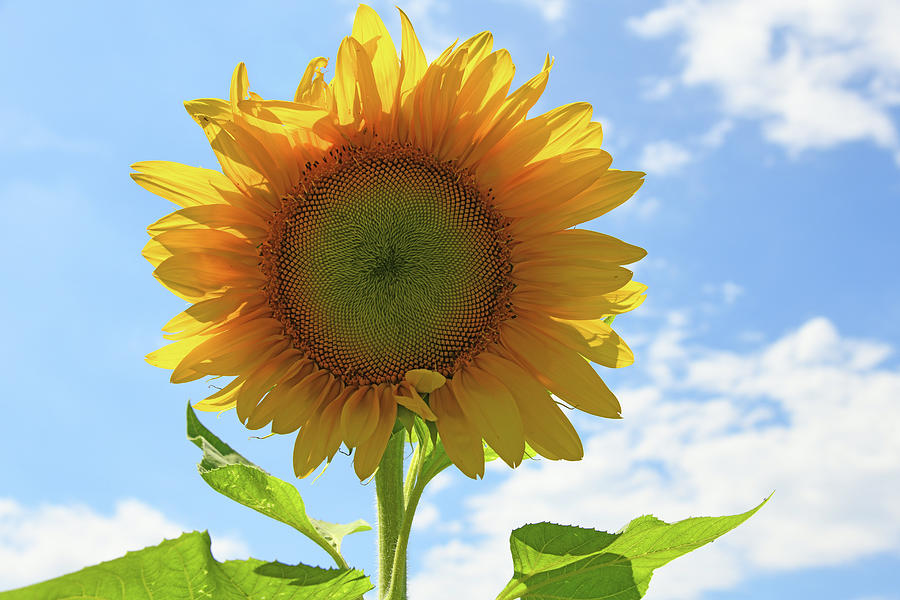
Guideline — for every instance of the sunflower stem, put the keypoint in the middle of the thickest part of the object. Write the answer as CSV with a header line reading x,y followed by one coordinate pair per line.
x,y
391,512
413,489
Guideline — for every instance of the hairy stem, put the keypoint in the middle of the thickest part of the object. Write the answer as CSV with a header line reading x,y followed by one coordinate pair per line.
x,y
391,513
415,485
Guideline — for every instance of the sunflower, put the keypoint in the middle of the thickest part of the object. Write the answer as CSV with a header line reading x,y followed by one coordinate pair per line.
x,y
397,239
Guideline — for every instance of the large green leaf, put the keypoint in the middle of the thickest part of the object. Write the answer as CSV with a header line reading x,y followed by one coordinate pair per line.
x,y
231,474
564,562
184,568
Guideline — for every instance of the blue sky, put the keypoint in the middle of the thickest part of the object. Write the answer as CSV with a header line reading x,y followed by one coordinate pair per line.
x,y
766,353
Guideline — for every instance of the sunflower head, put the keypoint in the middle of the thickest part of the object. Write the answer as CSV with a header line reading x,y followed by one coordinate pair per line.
x,y
399,236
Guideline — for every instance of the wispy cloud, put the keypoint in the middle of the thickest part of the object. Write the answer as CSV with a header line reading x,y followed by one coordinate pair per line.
x,y
727,291
664,157
657,88
715,135
38,543
551,11
811,415
637,208
816,73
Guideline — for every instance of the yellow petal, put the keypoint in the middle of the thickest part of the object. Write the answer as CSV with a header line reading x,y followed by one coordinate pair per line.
x,y
477,47
308,130
170,355
412,67
590,137
208,241
564,279
240,358
594,339
331,424
223,399
571,306
434,98
243,158
210,108
609,191
369,453
359,417
412,58
214,311
375,39
306,396
543,186
568,126
263,379
195,275
478,101
425,381
461,439
406,395
279,399
542,137
239,86
489,406
577,247
447,54
312,88
344,82
243,315
546,427
355,89
560,370
315,438
234,220
514,109
233,352
187,186
629,297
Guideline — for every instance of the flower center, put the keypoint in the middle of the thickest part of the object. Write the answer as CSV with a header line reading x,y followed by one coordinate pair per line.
x,y
386,260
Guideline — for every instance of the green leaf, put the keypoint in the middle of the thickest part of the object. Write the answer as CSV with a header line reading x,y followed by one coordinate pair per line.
x,y
184,568
564,562
436,459
234,476
216,453
406,418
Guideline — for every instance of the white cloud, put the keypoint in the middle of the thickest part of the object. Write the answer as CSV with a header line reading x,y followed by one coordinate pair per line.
x,y
551,11
657,88
812,416
816,72
38,543
427,515
637,208
664,157
714,137
728,291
